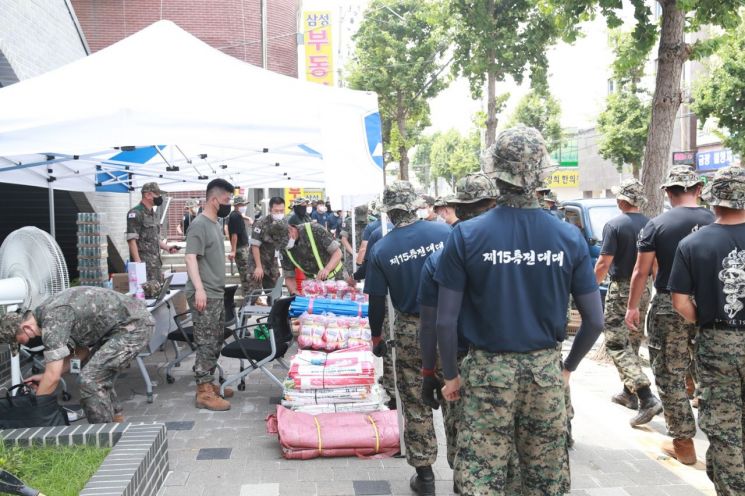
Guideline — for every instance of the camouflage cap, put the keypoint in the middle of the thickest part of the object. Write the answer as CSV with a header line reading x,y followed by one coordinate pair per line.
x,y
632,191
473,188
299,201
360,214
442,201
151,288
277,232
518,157
681,175
10,323
727,189
399,195
428,200
192,203
550,196
151,188
239,200
373,207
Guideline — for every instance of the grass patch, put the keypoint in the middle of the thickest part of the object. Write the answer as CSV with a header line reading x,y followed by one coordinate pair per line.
x,y
53,470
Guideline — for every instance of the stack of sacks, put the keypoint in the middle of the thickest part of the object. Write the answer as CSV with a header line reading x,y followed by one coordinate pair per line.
x,y
332,290
330,333
341,381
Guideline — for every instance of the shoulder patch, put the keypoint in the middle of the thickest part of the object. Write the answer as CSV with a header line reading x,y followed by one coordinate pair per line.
x,y
257,229
132,215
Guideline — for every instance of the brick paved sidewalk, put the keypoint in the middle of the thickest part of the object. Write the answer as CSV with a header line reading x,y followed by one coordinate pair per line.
x,y
230,453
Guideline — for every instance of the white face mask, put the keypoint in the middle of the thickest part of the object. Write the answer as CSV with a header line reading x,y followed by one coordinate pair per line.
x,y
278,216
440,218
309,210
290,243
242,210
422,213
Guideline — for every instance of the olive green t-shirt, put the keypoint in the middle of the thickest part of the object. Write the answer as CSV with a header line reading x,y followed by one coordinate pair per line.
x,y
205,240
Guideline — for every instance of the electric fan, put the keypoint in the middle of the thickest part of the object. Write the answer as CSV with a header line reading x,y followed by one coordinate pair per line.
x,y
32,269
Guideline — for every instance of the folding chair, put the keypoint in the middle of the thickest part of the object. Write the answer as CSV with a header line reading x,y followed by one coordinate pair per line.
x,y
34,352
259,352
248,310
185,333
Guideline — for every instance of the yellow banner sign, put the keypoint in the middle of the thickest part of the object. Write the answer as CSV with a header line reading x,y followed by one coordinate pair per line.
x,y
319,63
309,194
563,178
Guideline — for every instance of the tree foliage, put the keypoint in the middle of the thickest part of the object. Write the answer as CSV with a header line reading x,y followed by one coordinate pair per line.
x,y
453,155
421,162
721,95
494,39
623,126
540,110
398,54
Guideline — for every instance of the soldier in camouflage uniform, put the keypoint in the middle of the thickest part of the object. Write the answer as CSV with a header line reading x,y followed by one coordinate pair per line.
x,y
143,232
513,390
670,338
475,194
706,284
315,253
269,235
394,267
103,329
300,213
617,258
239,242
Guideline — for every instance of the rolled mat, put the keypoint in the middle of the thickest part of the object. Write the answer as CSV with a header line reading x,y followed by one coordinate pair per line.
x,y
304,436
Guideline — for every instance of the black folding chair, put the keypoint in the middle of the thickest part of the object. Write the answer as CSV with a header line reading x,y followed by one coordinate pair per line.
x,y
185,333
260,352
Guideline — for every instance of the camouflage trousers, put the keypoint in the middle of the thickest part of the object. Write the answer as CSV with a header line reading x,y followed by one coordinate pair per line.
x,y
209,335
386,380
721,365
419,429
451,417
271,274
621,342
97,394
671,353
241,261
153,266
513,401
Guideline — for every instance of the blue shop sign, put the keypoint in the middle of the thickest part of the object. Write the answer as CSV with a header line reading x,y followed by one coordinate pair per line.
x,y
707,161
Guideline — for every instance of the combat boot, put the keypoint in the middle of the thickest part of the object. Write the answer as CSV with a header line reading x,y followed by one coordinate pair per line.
x,y
649,406
118,418
626,398
228,393
681,449
423,482
206,398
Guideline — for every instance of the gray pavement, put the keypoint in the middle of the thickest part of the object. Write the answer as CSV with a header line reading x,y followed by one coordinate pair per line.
x,y
230,453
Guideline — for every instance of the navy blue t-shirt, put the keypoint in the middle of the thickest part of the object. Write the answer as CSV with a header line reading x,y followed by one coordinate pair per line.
x,y
369,229
516,268
396,262
376,235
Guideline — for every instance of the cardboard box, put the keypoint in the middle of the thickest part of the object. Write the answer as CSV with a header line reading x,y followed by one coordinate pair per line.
x,y
179,303
120,282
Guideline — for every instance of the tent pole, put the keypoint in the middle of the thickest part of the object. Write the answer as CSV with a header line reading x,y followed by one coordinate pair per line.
x,y
266,201
52,229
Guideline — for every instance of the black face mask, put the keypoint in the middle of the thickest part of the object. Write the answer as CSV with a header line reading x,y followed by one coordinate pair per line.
x,y
300,210
223,211
158,201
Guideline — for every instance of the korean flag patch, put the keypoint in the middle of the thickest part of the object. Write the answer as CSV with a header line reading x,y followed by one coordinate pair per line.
x,y
131,215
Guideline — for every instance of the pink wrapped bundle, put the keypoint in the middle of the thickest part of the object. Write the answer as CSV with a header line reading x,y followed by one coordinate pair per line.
x,y
303,436
345,368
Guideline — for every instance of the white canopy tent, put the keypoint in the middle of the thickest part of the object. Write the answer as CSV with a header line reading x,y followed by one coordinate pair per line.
x,y
163,106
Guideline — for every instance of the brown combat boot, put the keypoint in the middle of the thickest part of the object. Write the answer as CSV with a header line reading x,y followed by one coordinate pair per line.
x,y
206,398
681,449
118,418
227,394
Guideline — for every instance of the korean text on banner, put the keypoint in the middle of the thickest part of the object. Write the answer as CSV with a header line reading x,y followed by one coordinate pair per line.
x,y
319,66
563,178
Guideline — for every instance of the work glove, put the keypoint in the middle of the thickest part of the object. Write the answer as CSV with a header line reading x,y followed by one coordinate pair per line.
x,y
380,348
431,392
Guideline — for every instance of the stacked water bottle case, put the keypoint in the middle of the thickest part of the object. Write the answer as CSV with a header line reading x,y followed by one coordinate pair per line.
x,y
92,250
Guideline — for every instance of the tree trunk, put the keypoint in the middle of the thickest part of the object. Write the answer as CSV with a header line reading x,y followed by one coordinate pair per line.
x,y
403,149
672,53
491,108
635,169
